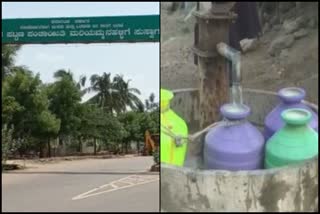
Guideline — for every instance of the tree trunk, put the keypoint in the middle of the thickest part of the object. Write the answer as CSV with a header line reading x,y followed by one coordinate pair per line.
x,y
127,148
61,146
95,146
60,141
80,145
20,152
138,147
49,147
41,150
121,149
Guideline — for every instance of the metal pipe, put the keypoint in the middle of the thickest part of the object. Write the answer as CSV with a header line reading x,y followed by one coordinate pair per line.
x,y
235,57
235,80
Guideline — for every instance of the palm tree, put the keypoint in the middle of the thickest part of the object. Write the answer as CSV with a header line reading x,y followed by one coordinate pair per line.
x,y
149,103
115,95
102,85
8,55
60,74
81,84
141,108
127,96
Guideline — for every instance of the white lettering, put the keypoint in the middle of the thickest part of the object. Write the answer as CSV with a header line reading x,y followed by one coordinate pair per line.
x,y
149,32
120,33
88,33
60,33
15,35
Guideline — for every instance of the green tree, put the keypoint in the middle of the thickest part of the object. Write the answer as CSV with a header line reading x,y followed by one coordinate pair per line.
x,y
150,103
9,107
23,100
26,104
48,127
81,85
114,95
131,123
126,95
105,92
8,144
137,123
98,124
112,131
8,54
155,120
65,97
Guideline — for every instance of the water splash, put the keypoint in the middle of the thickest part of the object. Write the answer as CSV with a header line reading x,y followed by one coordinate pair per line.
x,y
236,94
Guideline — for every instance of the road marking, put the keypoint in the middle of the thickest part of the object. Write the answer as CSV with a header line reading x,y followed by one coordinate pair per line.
x,y
134,180
113,186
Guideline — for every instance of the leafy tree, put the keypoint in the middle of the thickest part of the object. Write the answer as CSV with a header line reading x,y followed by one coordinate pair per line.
x,y
112,130
137,123
48,127
8,54
130,121
104,88
98,124
23,100
81,84
155,120
25,105
9,107
8,144
126,95
65,97
114,95
150,103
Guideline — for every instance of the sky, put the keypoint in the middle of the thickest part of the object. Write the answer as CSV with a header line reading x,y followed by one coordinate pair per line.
x,y
136,61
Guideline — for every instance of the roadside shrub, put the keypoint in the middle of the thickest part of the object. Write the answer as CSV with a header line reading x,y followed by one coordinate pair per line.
x,y
8,144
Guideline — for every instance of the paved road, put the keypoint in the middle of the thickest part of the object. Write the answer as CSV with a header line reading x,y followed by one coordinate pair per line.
x,y
83,185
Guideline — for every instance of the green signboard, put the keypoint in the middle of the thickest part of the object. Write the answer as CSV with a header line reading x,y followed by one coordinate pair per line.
x,y
81,30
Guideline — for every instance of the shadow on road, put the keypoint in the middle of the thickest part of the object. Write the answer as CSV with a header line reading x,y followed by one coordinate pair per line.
x,y
85,173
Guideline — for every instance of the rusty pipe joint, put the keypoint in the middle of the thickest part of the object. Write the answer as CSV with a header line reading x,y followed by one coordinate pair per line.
x,y
235,57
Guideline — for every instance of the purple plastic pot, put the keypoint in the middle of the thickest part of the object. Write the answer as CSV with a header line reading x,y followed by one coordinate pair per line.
x,y
290,98
235,144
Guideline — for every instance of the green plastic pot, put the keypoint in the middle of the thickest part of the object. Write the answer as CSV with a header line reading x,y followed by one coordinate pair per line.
x,y
173,127
294,143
